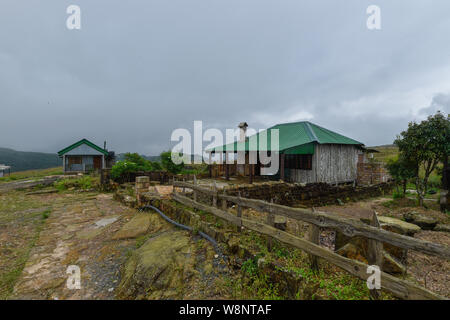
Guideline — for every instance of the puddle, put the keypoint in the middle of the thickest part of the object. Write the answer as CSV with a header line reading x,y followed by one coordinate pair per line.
x,y
105,222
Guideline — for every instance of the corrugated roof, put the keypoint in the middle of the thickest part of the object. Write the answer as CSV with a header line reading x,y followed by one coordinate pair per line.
x,y
79,143
292,135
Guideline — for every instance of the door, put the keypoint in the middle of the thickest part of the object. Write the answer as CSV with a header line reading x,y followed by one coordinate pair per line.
x,y
97,162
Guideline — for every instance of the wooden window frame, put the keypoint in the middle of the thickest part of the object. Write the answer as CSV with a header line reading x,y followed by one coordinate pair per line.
x,y
298,161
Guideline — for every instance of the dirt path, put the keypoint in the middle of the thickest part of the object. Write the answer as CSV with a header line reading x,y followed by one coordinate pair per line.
x,y
42,235
77,232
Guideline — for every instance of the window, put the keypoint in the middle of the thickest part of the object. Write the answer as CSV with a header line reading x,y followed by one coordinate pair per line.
x,y
75,160
298,161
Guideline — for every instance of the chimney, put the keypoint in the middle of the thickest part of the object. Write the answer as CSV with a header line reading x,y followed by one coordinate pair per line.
x,y
104,145
243,131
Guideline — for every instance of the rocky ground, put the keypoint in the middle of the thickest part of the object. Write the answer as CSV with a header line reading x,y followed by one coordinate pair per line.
x,y
42,235
126,254
431,272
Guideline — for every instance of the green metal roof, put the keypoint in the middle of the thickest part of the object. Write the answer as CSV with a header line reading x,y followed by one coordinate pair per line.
x,y
79,143
294,138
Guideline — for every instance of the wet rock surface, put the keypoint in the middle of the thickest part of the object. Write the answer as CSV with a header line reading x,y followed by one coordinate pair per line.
x,y
171,265
137,226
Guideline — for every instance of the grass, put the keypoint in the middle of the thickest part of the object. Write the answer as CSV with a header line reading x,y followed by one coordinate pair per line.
x,y
329,282
23,221
9,279
31,174
385,153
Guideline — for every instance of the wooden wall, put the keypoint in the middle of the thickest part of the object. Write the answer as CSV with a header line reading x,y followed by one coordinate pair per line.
x,y
331,164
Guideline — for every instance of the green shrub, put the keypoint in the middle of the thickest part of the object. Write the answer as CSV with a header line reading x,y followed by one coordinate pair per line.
x,y
250,267
132,163
63,184
45,214
84,183
397,195
169,165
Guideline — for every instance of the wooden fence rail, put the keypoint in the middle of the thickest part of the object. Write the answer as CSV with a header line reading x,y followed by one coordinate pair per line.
x,y
349,227
400,288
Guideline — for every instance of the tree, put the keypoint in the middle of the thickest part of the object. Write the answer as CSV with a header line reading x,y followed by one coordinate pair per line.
x,y
401,170
169,165
142,163
156,166
424,145
132,163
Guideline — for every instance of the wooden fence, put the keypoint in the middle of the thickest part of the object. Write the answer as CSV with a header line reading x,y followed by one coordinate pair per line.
x,y
162,177
377,236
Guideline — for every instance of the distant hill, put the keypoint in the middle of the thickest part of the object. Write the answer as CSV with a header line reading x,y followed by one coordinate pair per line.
x,y
121,156
385,152
22,160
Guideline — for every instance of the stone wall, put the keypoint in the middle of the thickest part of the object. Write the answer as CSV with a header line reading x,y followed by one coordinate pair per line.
x,y
313,194
371,173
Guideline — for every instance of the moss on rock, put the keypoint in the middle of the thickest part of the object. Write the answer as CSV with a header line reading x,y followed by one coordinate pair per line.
x,y
162,263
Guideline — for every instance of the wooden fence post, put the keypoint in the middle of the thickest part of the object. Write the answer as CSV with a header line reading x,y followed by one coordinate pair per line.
x,y
270,222
314,237
224,202
173,185
375,253
195,191
215,194
239,213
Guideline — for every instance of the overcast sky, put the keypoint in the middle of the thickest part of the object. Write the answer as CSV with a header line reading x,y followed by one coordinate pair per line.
x,y
139,69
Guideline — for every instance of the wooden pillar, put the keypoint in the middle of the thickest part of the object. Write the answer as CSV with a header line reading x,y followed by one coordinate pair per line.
x,y
227,169
210,165
221,164
282,166
375,253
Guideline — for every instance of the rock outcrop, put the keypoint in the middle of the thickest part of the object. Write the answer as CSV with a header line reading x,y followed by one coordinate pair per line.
x,y
393,257
137,226
424,222
158,268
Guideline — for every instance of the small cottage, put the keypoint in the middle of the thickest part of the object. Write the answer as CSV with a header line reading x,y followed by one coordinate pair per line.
x,y
85,156
4,169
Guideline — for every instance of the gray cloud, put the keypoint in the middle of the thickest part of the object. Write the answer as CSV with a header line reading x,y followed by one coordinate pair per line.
x,y
440,102
139,69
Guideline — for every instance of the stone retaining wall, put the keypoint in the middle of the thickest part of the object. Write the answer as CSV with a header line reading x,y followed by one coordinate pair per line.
x,y
309,195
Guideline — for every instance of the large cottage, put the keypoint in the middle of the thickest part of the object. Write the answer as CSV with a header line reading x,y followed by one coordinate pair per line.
x,y
307,153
